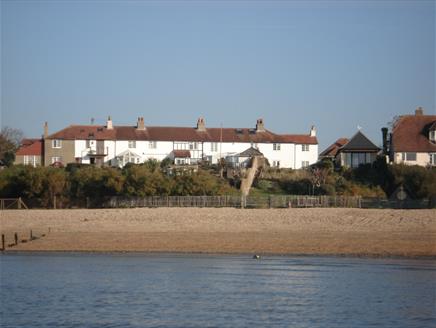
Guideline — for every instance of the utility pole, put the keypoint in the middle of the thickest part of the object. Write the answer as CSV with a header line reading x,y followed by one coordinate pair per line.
x,y
221,142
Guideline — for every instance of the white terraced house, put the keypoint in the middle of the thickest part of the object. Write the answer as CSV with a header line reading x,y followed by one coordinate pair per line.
x,y
118,145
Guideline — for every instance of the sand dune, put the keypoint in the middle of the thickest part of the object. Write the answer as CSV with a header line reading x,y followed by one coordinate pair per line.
x,y
226,230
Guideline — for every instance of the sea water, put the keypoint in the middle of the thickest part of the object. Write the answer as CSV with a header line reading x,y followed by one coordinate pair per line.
x,y
146,290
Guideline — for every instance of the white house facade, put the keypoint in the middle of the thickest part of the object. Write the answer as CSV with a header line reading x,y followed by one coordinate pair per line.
x,y
118,145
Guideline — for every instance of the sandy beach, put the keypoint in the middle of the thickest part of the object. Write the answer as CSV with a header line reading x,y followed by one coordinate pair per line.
x,y
326,231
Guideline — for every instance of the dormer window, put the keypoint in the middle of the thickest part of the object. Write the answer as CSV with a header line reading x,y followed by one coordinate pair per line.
x,y
432,136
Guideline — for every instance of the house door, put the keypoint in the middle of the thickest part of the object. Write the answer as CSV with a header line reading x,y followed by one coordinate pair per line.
x,y
100,147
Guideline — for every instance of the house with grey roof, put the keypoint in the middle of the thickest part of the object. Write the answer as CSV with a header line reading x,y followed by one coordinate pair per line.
x,y
357,151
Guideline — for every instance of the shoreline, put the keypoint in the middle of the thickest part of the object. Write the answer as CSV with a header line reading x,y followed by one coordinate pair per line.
x,y
359,233
207,254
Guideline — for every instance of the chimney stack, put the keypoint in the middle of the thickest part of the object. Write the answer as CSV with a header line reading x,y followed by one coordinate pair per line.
x,y
45,130
260,127
419,111
140,125
385,140
109,125
391,148
313,131
201,126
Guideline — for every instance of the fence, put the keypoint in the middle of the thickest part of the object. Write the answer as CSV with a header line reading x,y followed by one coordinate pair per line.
x,y
272,201
234,201
12,203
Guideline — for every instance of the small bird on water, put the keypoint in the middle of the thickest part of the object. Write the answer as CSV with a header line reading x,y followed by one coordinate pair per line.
x,y
256,257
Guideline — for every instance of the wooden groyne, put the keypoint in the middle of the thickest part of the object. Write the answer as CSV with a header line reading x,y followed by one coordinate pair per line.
x,y
15,238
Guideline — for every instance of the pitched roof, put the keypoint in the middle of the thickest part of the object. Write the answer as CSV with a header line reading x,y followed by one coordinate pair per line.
x,y
359,142
411,133
332,150
159,133
30,147
297,139
182,153
250,152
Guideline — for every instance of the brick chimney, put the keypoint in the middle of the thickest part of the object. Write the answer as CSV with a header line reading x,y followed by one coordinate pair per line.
x,y
260,127
45,130
385,140
201,126
109,125
140,125
419,111
313,131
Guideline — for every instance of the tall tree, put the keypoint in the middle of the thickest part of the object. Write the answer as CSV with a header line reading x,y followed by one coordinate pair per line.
x,y
10,140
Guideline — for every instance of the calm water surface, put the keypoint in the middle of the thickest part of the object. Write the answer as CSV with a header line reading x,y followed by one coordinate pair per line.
x,y
143,290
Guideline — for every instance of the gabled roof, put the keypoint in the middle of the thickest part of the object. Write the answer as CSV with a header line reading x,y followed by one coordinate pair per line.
x,y
359,142
32,147
128,152
179,153
411,133
159,133
250,152
332,150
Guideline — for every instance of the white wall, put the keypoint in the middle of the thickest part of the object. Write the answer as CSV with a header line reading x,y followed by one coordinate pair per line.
x,y
290,155
311,156
422,159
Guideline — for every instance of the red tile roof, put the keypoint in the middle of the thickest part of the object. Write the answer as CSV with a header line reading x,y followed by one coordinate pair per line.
x,y
411,133
332,150
182,153
154,133
297,139
30,147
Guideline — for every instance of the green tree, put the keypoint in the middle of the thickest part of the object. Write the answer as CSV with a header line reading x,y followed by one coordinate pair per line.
x,y
10,140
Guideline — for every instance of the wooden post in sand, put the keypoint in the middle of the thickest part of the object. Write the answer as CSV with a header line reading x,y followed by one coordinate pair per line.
x,y
31,234
3,242
16,239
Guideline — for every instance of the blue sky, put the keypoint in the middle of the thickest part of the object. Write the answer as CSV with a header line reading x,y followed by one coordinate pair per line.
x,y
332,64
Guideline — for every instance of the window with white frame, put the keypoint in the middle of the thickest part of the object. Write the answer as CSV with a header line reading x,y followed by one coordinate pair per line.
x,y
305,164
276,146
432,136
55,159
132,143
30,160
304,147
276,164
56,143
193,145
152,144
408,157
432,159
214,146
